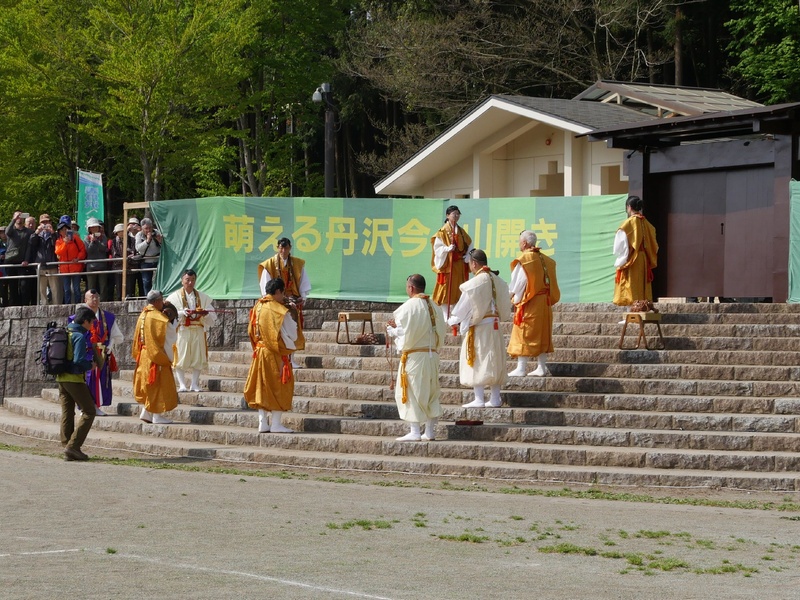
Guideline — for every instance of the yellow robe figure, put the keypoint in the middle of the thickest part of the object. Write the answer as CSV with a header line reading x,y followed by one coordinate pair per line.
x,y
293,276
532,333
270,382
454,271
635,275
153,382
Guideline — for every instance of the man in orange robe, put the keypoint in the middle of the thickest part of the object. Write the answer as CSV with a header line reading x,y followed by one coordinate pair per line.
x,y
636,252
534,291
153,382
270,382
292,271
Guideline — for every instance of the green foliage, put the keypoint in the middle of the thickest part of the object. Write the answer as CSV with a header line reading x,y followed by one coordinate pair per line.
x,y
766,41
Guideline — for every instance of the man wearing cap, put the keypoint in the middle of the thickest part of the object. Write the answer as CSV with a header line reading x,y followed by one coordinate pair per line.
x,y
42,250
134,278
192,350
115,251
70,251
148,246
297,285
17,254
96,252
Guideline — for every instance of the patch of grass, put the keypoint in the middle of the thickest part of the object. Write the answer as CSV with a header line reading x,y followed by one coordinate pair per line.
x,y
727,568
567,548
594,494
516,518
337,480
465,537
111,551
668,564
365,524
514,541
653,535
707,544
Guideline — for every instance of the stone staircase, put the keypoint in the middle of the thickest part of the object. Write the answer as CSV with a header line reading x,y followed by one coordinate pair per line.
x,y
720,407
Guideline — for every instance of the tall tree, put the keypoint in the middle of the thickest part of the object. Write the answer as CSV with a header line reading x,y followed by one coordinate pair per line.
x,y
168,65
766,40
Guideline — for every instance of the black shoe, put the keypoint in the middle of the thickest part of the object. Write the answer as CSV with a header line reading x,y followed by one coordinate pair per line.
x,y
73,454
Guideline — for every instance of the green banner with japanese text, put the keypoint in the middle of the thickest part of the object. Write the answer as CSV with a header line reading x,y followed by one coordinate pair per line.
x,y
90,198
363,249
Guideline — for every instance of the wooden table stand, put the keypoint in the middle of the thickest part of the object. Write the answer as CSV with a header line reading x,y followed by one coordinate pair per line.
x,y
642,318
347,317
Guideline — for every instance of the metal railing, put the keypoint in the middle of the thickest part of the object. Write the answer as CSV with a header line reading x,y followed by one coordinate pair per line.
x,y
35,277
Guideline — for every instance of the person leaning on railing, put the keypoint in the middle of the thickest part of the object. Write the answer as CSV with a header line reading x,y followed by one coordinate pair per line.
x,y
148,245
70,251
96,245
42,251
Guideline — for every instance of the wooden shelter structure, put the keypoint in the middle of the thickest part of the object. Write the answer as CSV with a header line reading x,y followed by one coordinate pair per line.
x,y
716,186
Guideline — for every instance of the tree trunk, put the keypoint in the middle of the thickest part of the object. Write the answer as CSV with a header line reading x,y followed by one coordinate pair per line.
x,y
678,47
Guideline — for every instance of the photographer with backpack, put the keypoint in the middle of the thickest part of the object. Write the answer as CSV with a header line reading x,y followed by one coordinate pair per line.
x,y
72,388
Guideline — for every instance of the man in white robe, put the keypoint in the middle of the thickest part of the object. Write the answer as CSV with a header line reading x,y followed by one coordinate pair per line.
x,y
485,302
194,317
419,328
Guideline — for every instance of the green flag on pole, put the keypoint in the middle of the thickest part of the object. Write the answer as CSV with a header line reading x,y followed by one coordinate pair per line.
x,y
90,197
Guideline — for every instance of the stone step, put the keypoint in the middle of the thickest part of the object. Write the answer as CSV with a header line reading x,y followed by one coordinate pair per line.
x,y
236,364
595,342
399,461
568,426
511,452
563,355
627,379
671,327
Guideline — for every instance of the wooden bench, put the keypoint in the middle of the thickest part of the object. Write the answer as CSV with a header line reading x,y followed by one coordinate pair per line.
x,y
347,317
642,318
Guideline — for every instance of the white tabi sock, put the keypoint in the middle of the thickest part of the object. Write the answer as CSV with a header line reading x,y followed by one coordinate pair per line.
x,y
195,380
541,370
263,421
522,367
413,435
181,381
494,398
276,426
478,402
430,430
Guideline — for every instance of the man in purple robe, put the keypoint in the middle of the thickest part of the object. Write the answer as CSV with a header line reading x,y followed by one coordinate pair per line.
x,y
103,337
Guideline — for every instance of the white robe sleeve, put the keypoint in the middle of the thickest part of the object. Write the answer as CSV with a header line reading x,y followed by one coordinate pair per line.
x,y
263,282
305,284
620,248
440,253
461,313
519,282
115,337
289,331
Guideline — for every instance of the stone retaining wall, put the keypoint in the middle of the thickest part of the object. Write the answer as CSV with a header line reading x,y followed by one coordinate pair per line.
x,y
22,327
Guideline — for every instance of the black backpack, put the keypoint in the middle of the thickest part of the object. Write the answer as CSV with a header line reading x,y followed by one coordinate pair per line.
x,y
55,357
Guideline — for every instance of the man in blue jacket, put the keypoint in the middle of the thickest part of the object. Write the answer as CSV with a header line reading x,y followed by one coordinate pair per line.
x,y
72,388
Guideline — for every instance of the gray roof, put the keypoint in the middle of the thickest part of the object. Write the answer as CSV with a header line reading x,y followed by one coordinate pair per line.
x,y
671,100
594,115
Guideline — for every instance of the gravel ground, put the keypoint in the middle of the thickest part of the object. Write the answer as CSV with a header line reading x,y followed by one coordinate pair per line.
x,y
132,531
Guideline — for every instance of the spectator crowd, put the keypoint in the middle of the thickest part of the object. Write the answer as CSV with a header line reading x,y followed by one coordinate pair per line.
x,y
49,262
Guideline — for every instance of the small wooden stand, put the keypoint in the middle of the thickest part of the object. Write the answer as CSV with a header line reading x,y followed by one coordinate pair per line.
x,y
346,317
642,318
